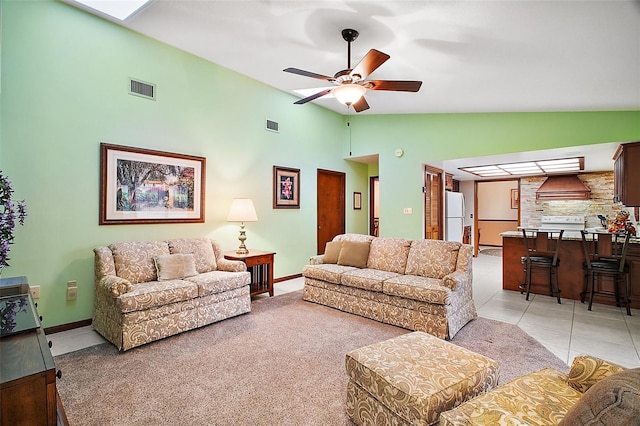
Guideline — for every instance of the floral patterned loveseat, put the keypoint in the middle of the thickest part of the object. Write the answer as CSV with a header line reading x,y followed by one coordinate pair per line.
x,y
149,290
422,285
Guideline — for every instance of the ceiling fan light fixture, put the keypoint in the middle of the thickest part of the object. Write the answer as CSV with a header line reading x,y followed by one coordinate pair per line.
x,y
349,94
351,83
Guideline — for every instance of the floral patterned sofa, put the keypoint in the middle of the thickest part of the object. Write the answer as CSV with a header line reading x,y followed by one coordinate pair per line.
x,y
149,290
422,285
594,392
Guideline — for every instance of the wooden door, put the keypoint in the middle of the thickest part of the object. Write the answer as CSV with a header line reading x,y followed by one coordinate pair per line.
x,y
433,207
331,206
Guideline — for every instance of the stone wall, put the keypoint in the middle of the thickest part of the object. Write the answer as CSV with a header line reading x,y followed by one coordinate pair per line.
x,y
601,202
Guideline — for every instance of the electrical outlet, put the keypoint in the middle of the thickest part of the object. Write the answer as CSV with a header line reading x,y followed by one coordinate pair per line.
x,y
408,210
35,291
72,290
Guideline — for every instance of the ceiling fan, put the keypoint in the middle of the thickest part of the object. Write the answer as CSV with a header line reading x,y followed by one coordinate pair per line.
x,y
351,83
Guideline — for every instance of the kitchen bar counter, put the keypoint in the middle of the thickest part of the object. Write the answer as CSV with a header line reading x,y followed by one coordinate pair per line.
x,y
570,271
518,234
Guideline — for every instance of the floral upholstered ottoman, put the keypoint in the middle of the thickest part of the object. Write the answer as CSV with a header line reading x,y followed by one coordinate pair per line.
x,y
411,379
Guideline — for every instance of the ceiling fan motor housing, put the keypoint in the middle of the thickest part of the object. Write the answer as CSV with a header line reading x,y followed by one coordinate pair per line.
x,y
345,77
349,35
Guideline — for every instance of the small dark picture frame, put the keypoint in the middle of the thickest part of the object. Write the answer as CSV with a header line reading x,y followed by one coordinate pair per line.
x,y
286,188
515,196
357,201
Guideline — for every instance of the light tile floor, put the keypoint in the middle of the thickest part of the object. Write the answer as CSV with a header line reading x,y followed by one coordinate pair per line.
x,y
566,329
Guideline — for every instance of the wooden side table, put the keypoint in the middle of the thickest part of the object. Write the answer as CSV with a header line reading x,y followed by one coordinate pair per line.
x,y
260,265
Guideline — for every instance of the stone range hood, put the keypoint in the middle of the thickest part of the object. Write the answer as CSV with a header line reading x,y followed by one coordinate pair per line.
x,y
563,187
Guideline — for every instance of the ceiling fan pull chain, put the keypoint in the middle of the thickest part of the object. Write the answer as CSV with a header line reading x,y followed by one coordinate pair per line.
x,y
349,126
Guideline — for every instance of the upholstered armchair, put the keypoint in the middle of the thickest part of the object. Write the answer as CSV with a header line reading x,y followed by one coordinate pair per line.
x,y
594,392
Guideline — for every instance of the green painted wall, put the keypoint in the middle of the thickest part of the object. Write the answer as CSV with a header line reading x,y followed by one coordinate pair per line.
x,y
65,89
435,137
64,83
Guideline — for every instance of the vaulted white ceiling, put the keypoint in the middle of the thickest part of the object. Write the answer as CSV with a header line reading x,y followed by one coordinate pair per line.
x,y
472,56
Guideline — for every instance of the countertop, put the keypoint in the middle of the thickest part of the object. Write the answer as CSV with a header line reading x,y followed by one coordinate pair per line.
x,y
518,234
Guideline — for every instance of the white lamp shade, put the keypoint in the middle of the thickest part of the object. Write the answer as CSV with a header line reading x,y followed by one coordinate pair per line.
x,y
349,94
242,210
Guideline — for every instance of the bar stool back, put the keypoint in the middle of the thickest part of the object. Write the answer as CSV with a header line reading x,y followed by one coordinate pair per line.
x,y
606,256
541,253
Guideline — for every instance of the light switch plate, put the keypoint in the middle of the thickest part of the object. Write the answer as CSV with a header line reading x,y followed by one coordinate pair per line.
x,y
72,290
72,293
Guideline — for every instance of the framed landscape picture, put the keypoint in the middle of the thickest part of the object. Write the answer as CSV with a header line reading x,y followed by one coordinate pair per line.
x,y
286,188
139,186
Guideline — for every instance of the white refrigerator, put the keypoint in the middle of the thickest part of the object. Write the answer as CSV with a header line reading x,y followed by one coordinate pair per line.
x,y
454,216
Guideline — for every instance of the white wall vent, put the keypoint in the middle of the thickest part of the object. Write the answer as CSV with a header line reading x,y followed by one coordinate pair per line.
x,y
272,126
142,89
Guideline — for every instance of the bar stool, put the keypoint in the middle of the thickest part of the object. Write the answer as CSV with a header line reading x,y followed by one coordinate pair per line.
x,y
541,253
605,256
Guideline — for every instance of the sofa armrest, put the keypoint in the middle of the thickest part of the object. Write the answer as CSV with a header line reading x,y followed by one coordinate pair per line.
x,y
587,370
231,265
104,264
113,285
316,260
457,279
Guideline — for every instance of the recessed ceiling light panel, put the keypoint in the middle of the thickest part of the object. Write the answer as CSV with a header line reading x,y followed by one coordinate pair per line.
x,y
528,167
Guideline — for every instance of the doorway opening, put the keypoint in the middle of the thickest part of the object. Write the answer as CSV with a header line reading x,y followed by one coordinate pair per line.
x,y
497,210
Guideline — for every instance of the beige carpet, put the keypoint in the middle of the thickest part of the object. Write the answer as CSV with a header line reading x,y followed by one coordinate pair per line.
x,y
282,364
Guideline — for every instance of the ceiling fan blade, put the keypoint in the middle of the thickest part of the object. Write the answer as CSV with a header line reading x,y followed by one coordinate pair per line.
x,y
371,61
312,97
394,85
308,74
361,105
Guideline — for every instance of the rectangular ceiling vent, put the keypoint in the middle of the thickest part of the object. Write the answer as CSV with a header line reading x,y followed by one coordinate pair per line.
x,y
142,89
272,126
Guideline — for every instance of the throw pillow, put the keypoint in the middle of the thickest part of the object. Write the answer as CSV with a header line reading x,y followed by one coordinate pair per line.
x,y
354,254
332,252
613,401
587,370
134,259
201,248
175,266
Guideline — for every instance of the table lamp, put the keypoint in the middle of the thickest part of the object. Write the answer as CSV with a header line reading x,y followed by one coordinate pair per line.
x,y
242,211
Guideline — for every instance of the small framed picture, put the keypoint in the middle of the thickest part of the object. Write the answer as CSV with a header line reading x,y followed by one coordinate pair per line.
x,y
286,188
515,198
357,200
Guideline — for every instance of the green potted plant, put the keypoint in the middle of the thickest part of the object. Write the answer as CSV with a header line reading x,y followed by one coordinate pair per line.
x,y
10,212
